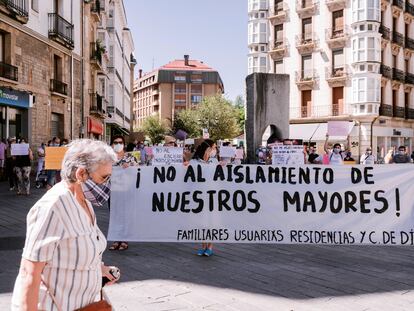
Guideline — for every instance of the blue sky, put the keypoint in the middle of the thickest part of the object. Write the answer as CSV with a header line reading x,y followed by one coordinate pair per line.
x,y
214,31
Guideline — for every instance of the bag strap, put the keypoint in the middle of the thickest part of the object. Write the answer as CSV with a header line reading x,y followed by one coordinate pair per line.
x,y
51,295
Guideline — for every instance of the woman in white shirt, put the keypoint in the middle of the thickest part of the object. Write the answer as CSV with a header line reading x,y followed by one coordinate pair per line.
x,y
336,156
368,158
61,267
205,154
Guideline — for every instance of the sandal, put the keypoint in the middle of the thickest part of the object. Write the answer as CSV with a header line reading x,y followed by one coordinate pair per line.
x,y
123,246
114,246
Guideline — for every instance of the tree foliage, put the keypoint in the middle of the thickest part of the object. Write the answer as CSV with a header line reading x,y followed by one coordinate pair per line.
x,y
187,120
241,115
155,129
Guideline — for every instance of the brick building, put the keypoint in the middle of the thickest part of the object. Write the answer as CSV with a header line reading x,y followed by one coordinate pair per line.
x,y
181,84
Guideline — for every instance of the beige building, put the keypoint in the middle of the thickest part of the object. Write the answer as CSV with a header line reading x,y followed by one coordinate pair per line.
x,y
181,84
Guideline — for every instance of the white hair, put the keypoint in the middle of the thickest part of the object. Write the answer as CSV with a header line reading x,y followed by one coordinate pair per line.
x,y
87,154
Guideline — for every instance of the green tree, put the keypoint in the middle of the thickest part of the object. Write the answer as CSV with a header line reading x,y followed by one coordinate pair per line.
x,y
219,116
188,121
241,115
155,129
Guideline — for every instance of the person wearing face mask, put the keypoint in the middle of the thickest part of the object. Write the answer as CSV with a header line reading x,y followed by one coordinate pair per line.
x,y
401,156
143,154
336,156
61,266
367,158
124,160
22,170
53,176
203,155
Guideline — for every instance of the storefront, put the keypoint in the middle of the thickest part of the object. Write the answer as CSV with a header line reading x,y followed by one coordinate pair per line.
x,y
95,128
391,138
14,113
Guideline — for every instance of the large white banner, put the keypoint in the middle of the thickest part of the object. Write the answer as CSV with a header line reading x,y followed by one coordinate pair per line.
x,y
343,205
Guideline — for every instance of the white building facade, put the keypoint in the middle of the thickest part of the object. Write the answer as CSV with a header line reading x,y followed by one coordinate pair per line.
x,y
117,83
348,60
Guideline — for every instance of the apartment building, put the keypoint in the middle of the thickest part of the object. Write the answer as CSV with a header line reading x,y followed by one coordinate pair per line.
x,y
117,82
178,85
348,60
40,69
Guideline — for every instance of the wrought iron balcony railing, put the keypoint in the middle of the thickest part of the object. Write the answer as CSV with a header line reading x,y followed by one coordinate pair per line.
x,y
58,87
386,71
8,71
61,30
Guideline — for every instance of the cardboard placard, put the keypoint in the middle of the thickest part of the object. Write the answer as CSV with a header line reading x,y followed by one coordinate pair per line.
x,y
19,149
288,155
338,128
167,155
54,157
227,152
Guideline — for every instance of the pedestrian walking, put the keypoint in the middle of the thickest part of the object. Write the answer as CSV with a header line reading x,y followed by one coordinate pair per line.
x,y
3,148
123,160
401,156
40,160
205,154
367,158
61,266
22,170
53,176
10,162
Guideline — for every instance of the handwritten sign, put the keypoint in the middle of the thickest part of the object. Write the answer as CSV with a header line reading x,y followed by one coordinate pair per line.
x,y
54,157
287,155
167,155
19,149
338,128
227,152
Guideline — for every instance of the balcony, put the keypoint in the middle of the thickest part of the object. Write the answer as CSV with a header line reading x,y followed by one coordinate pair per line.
x,y
9,72
398,75
96,10
398,3
278,49
58,87
409,43
409,8
409,113
398,38
385,110
96,55
337,38
409,78
306,79
16,9
306,8
398,112
336,77
397,7
386,71
97,108
306,43
335,5
386,32
61,30
278,13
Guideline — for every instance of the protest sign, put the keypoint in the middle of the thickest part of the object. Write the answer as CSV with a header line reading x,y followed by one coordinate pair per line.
x,y
167,155
54,157
239,154
19,149
227,152
287,155
338,128
341,205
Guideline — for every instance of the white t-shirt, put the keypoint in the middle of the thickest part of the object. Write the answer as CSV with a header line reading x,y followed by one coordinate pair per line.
x,y
336,158
367,159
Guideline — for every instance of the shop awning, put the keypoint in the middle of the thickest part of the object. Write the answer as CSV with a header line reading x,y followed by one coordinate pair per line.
x,y
95,126
316,131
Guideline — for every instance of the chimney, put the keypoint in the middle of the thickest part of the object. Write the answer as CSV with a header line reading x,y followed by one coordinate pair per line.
x,y
140,73
186,60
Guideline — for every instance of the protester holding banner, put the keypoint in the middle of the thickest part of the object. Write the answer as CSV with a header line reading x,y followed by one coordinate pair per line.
x,y
22,170
124,160
61,267
336,156
53,176
367,158
203,155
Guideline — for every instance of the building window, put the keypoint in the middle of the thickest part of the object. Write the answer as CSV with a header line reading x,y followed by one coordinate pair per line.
x,y
180,89
180,78
307,71
2,47
365,10
279,66
258,32
196,89
257,64
196,99
57,68
196,78
255,5
366,89
338,59
56,125
35,5
366,49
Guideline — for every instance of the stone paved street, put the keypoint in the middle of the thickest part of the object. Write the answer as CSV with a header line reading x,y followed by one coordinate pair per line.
x,y
239,277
